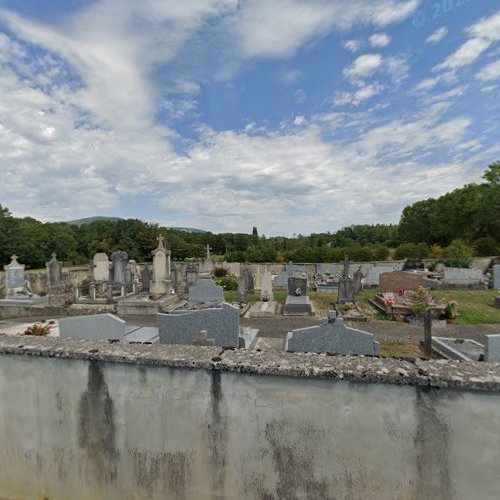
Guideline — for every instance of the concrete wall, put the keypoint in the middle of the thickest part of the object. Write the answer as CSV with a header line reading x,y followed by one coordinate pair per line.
x,y
87,429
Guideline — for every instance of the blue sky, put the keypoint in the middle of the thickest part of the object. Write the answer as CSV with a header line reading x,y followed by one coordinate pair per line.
x,y
292,116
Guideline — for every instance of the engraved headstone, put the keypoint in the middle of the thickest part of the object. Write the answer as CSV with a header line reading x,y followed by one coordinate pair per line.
x,y
346,288
101,266
297,302
191,275
242,289
205,291
183,326
14,278
119,267
266,287
161,283
332,336
54,272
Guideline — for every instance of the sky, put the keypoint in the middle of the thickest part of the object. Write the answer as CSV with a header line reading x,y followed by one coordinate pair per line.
x,y
294,116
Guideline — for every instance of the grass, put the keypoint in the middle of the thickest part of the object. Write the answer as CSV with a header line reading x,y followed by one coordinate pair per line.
x,y
474,306
400,349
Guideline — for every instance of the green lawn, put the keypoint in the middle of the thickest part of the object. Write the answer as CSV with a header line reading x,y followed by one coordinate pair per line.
x,y
474,306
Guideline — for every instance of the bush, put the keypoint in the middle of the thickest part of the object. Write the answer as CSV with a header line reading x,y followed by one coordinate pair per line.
x,y
461,263
458,249
411,251
486,247
228,283
220,272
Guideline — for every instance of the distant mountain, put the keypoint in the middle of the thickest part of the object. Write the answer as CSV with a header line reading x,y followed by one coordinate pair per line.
x,y
189,230
89,220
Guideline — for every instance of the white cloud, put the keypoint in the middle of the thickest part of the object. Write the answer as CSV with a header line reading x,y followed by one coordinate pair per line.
x,y
490,72
363,66
357,97
352,45
465,55
279,28
483,33
380,40
437,36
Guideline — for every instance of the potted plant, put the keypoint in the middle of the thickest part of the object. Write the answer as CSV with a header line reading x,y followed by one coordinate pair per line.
x,y
450,312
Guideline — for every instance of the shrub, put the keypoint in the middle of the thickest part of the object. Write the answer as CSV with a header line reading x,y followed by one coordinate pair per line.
x,y
228,283
486,247
220,272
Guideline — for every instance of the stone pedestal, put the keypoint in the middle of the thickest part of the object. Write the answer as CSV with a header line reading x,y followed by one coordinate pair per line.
x,y
263,310
298,306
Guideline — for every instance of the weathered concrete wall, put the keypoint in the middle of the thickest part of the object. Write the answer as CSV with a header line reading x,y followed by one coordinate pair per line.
x,y
38,279
83,426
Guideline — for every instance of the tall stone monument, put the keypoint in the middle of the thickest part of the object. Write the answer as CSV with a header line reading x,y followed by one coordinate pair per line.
x,y
54,272
119,268
14,278
161,282
266,286
100,268
346,285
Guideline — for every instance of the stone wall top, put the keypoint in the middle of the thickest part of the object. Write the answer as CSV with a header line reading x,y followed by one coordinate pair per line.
x,y
436,373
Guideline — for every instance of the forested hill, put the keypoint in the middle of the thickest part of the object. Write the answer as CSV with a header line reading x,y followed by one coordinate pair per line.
x,y
460,224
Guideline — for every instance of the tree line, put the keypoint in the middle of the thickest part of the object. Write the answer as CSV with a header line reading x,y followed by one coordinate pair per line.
x,y
459,224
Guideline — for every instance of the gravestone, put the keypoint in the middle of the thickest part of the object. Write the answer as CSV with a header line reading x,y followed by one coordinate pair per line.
x,y
297,286
161,283
332,336
54,272
183,326
15,281
119,268
297,302
203,340
101,267
249,279
492,348
346,285
191,275
266,287
357,284
242,289
291,271
146,278
96,327
206,291
496,277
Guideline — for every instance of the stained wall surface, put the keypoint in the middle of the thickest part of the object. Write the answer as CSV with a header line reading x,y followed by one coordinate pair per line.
x,y
87,429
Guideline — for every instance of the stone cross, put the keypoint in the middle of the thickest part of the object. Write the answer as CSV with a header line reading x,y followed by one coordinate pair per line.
x,y
160,241
14,259
345,274
203,339
208,251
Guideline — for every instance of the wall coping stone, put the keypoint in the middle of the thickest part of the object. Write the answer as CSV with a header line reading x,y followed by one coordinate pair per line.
x,y
444,374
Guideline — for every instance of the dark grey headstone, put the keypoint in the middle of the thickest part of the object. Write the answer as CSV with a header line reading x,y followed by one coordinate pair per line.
x,y
205,291
146,278
119,268
96,327
492,348
54,271
297,286
334,337
222,324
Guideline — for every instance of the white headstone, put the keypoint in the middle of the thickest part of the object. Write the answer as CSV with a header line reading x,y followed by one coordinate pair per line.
x,y
101,267
14,278
266,286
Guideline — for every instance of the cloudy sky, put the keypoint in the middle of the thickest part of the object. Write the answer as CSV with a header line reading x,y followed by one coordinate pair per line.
x,y
295,116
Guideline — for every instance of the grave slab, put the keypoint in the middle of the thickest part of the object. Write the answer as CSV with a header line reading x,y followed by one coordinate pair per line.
x,y
263,310
298,306
96,327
